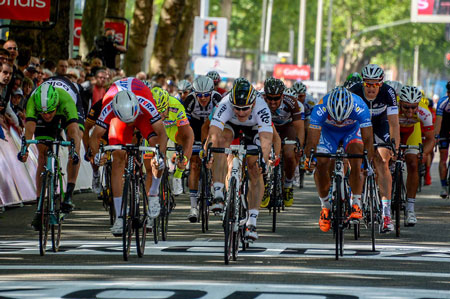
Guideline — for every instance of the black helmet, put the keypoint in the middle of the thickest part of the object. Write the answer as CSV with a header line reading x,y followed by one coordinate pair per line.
x,y
273,86
242,93
448,86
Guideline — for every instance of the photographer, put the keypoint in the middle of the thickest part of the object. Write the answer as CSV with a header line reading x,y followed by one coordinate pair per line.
x,y
107,48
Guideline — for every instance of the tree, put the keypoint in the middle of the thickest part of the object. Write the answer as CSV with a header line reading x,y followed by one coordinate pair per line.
x,y
169,19
93,16
116,8
180,57
140,27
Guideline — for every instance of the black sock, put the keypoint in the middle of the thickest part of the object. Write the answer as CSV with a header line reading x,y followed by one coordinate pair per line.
x,y
70,188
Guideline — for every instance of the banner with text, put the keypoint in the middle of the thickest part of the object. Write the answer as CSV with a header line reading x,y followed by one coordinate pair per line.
x,y
430,11
292,72
226,67
120,27
25,10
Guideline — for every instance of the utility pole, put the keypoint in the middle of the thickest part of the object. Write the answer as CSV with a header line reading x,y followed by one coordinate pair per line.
x,y
261,37
204,8
318,47
301,33
328,63
268,26
416,65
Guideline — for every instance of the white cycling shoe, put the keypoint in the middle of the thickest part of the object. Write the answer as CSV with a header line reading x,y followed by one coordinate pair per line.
x,y
411,219
154,207
177,186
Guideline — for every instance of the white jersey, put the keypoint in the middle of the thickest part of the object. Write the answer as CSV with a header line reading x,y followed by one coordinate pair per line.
x,y
260,118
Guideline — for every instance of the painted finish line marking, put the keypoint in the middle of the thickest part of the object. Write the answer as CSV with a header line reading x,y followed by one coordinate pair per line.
x,y
251,269
205,289
215,248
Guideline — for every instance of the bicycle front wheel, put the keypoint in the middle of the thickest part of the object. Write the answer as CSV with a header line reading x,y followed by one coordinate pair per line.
x,y
141,220
228,220
44,202
127,213
397,199
338,218
56,228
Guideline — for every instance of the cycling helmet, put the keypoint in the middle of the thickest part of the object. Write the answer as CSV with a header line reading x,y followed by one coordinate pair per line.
x,y
372,72
396,85
147,83
299,87
354,76
161,98
203,84
126,106
184,85
214,76
410,94
448,86
273,86
290,92
242,93
340,103
46,98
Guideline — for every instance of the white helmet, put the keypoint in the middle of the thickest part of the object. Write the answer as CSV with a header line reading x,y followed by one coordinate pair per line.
x,y
290,92
184,85
340,103
372,72
396,85
410,94
299,87
126,106
203,84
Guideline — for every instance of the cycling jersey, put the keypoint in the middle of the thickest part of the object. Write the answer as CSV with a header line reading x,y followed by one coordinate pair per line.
x,y
410,128
360,115
175,118
120,132
260,118
288,111
309,104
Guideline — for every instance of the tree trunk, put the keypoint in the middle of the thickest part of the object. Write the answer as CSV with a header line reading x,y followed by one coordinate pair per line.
x,y
53,44
226,6
93,16
180,55
169,20
116,8
140,27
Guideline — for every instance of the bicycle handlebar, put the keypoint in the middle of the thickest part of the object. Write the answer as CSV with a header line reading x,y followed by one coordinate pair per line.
x,y
73,154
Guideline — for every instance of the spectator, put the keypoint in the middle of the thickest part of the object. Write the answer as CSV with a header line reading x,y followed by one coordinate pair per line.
x,y
73,74
141,76
72,63
78,61
39,77
159,80
4,55
96,62
27,88
61,68
15,112
31,72
13,50
107,48
5,78
16,82
82,77
50,65
47,74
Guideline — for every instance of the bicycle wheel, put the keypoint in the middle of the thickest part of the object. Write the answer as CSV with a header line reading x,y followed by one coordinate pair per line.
x,y
141,219
372,210
338,218
205,193
155,229
108,196
127,217
44,202
228,220
165,206
301,178
56,228
397,199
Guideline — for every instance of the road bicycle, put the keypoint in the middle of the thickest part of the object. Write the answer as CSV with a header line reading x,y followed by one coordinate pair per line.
x,y
235,213
51,193
134,209
275,188
106,195
206,191
399,193
340,195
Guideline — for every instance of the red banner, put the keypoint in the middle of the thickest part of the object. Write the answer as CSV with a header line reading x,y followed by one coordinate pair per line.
x,y
425,7
25,10
292,71
119,27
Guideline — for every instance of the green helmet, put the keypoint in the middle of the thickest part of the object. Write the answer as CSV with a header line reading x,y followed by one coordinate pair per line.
x,y
46,98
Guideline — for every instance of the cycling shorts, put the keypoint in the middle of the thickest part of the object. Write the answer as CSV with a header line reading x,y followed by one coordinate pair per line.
x,y
411,136
251,134
121,133
330,139
50,130
381,132
287,131
196,126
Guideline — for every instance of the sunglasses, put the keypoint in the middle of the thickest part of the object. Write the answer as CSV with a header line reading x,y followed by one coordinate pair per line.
x,y
12,48
407,107
273,98
242,108
378,84
203,95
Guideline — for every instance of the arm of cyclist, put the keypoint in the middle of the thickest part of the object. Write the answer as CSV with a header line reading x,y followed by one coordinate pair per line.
x,y
30,127
276,140
185,138
73,132
205,130
299,126
311,143
367,138
394,128
266,144
94,140
428,144
214,137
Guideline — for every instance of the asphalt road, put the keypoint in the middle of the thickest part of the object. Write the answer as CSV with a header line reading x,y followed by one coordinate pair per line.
x,y
297,261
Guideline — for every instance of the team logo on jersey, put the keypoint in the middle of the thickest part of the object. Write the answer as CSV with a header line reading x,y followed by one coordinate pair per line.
x,y
123,83
264,115
222,110
106,111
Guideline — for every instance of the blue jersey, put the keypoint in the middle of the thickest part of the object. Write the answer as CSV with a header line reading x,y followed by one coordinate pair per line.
x,y
443,106
360,116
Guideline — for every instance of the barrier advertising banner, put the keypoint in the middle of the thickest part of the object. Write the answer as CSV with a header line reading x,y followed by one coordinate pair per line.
x,y
430,11
25,10
292,71
120,27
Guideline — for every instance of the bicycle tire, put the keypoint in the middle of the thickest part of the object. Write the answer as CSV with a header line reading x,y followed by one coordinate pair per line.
x,y
164,196
372,194
204,196
141,219
44,201
155,229
56,228
228,220
397,199
301,182
109,196
338,217
127,216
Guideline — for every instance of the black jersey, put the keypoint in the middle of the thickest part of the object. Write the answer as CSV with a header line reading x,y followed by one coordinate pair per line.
x,y
196,111
383,105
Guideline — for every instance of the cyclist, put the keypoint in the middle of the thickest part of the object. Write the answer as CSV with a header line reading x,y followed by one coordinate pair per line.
x,y
49,109
128,104
287,118
199,105
352,79
396,85
184,89
340,117
382,103
412,113
216,79
442,132
431,155
243,109
178,130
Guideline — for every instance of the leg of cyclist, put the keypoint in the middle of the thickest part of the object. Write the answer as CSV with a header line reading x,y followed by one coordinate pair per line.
x,y
290,162
381,161
184,137
194,175
73,132
255,196
156,170
412,182
443,154
356,178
